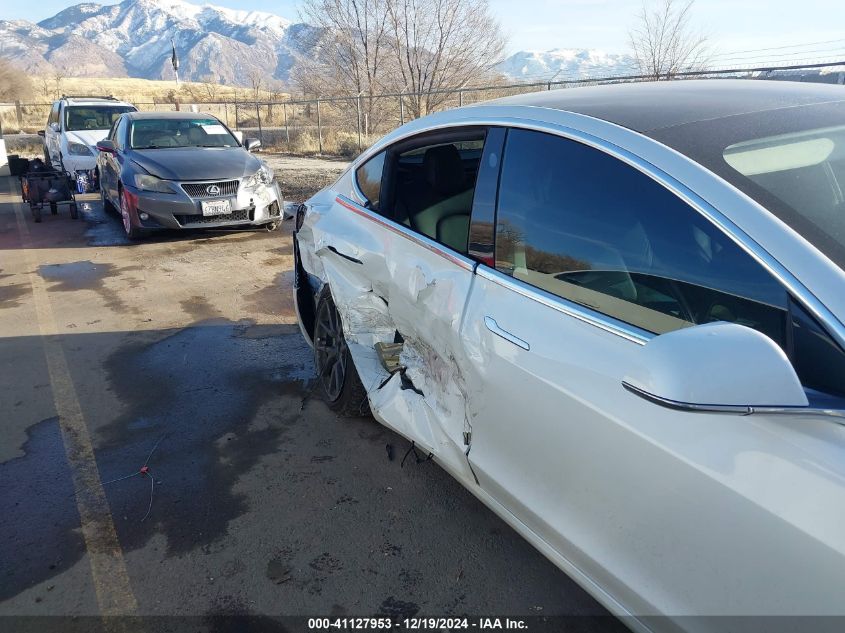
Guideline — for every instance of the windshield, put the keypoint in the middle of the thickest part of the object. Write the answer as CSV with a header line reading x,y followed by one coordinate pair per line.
x,y
93,117
164,133
790,160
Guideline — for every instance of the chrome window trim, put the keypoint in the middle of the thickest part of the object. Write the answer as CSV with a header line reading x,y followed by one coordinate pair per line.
x,y
362,199
435,247
569,308
799,291
837,415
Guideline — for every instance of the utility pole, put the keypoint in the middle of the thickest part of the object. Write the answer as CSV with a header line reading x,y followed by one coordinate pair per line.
x,y
358,107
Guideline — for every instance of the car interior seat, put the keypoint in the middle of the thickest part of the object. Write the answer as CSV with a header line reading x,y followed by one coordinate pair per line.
x,y
437,198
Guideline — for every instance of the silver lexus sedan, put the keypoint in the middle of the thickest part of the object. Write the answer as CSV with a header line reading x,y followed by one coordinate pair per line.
x,y
179,170
617,316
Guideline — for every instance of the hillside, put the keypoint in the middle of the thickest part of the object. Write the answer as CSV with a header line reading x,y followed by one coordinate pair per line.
x,y
132,39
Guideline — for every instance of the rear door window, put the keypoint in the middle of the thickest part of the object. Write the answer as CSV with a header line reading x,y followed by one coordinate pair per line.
x,y
583,225
433,184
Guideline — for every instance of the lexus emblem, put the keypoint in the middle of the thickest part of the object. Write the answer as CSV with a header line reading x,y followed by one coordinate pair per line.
x,y
212,190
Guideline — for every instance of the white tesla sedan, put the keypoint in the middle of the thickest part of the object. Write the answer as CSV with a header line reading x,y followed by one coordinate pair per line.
x,y
617,315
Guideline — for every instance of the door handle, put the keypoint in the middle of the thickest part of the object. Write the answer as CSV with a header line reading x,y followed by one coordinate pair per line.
x,y
491,324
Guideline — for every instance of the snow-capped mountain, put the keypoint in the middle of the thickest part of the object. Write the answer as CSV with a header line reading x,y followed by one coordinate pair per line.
x,y
133,39
565,63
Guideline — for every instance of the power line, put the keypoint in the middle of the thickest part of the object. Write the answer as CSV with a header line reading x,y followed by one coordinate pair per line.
x,y
836,50
776,48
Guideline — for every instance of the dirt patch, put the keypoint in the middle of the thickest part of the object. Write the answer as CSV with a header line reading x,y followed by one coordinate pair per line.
x,y
300,178
274,300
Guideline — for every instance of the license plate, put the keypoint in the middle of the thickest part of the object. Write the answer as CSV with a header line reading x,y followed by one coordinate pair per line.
x,y
216,207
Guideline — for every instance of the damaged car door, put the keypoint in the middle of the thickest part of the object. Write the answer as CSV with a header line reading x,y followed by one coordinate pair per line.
x,y
394,259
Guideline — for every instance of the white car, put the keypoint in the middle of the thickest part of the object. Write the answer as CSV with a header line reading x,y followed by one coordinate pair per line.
x,y
74,127
617,316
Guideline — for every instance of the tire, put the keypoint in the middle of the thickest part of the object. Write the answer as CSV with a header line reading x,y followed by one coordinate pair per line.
x,y
132,231
54,208
345,394
36,213
74,211
271,226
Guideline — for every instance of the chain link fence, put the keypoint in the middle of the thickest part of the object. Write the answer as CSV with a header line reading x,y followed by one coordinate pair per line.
x,y
343,126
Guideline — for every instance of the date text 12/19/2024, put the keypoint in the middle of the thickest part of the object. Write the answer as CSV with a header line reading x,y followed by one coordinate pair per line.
x,y
417,624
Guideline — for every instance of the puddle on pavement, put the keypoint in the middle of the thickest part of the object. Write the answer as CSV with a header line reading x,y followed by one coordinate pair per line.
x,y
219,396
192,388
39,520
104,229
199,307
86,275
10,294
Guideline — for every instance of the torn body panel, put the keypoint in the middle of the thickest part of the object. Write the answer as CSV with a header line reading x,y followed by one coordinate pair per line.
x,y
386,280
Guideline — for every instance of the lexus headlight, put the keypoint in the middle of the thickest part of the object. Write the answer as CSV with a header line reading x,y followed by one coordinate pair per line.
x,y
264,176
79,149
151,183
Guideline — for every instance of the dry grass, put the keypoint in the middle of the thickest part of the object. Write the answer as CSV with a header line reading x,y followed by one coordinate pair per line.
x,y
305,142
300,178
25,146
136,90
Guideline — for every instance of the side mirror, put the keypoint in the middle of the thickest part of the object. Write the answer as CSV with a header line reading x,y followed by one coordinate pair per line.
x,y
55,127
105,146
717,367
41,133
251,144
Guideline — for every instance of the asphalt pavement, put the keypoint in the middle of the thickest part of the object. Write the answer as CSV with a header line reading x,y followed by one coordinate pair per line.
x,y
164,452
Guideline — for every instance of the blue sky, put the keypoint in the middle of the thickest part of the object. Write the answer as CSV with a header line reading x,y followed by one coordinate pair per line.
x,y
733,25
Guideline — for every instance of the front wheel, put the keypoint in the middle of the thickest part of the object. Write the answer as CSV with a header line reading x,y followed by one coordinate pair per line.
x,y
335,368
74,211
54,208
36,212
132,231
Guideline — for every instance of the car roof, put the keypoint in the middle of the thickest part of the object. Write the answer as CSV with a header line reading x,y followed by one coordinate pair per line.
x,y
99,101
658,105
136,116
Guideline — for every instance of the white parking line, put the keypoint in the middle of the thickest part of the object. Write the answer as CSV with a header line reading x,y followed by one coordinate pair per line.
x,y
108,569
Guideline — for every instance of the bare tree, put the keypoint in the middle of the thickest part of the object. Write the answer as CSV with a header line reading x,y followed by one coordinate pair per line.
x,y
350,36
348,53
59,80
441,44
665,43
211,86
256,82
418,47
